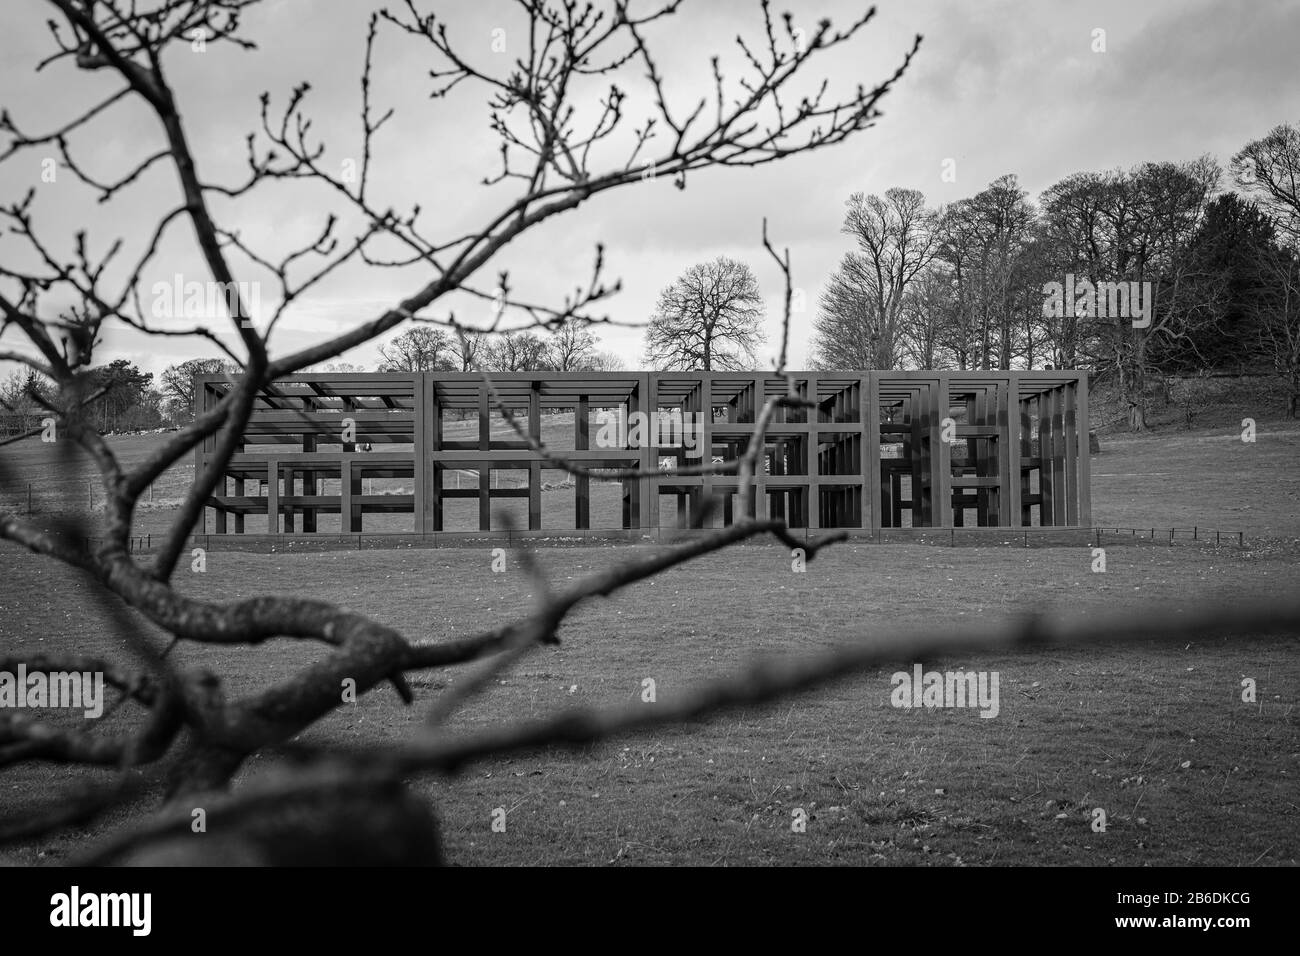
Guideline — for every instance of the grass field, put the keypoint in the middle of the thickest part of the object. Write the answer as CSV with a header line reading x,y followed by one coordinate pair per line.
x,y
1157,736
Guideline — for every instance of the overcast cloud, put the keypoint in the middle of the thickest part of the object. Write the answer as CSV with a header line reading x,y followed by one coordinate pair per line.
x,y
998,87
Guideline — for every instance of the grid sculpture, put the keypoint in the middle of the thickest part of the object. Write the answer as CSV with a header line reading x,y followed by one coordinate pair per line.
x,y
432,452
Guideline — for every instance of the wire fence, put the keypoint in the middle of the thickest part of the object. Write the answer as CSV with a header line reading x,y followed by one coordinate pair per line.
x,y
951,537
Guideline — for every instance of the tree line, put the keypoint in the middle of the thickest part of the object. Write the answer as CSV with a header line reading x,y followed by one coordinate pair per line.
x,y
131,401
1207,280
1134,275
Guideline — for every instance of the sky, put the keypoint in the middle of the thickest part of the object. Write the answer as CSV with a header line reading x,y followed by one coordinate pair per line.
x,y
1031,88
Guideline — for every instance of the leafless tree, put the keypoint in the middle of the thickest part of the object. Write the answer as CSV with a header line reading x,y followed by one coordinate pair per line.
x,y
19,411
605,362
342,368
927,320
846,332
987,238
1276,308
1130,225
557,163
863,304
178,382
571,349
421,348
710,318
469,350
1269,170
516,352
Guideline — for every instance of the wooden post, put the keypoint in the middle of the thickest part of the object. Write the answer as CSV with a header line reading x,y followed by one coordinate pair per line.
x,y
309,486
1009,418
1084,453
273,496
535,496
345,495
940,406
581,483
420,451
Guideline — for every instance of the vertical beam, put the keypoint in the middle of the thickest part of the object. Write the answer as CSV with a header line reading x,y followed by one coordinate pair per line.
x,y
650,506
309,486
484,419
582,502
289,490
1046,515
582,425
872,487
705,392
358,515
1059,490
431,455
581,483
1009,418
241,490
345,494
644,490
812,418
419,458
220,516
535,410
535,496
484,494
1026,455
1071,449
201,405
917,415
1085,452
978,411
941,499
273,495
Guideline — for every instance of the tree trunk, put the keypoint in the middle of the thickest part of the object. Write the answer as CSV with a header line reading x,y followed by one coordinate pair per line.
x,y
1134,385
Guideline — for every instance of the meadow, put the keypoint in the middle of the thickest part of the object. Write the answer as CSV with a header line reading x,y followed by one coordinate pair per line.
x,y
1157,736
